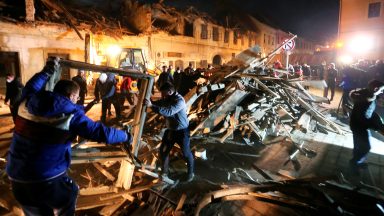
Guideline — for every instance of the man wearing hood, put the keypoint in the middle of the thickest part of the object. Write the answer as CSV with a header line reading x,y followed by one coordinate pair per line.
x,y
40,152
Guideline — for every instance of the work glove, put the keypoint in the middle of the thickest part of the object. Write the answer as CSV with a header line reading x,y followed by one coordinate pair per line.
x,y
52,65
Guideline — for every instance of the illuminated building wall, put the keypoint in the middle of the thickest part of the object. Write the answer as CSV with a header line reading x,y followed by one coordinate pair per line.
x,y
361,29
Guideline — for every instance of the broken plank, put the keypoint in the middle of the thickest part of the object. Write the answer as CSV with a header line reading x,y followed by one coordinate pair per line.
x,y
304,121
109,210
88,202
97,190
167,180
228,105
287,174
130,191
244,154
319,117
104,172
262,173
181,202
125,176
92,152
229,131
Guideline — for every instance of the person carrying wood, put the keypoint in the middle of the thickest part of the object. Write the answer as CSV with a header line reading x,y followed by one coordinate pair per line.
x,y
172,106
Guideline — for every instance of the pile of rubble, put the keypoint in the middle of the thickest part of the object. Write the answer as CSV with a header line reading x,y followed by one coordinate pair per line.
x,y
237,104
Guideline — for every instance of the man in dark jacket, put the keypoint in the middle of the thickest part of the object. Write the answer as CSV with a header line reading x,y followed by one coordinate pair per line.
x,y
13,93
363,118
172,106
331,80
177,76
106,91
164,77
82,82
40,152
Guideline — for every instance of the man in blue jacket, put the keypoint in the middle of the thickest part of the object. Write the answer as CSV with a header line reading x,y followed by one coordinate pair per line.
x,y
40,152
172,106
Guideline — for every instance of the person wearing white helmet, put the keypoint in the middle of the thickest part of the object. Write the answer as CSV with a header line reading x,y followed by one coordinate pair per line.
x,y
106,91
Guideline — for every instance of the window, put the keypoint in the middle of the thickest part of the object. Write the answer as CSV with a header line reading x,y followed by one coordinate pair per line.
x,y
215,34
9,62
374,9
188,29
265,38
242,40
204,31
226,36
235,35
273,40
249,41
203,63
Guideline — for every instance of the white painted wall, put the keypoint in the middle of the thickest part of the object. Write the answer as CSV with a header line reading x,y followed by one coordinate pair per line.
x,y
34,43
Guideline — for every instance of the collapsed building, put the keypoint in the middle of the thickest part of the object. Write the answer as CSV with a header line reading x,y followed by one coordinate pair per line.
x,y
241,104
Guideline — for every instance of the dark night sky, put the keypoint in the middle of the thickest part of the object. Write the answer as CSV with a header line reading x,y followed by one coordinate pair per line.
x,y
315,20
312,19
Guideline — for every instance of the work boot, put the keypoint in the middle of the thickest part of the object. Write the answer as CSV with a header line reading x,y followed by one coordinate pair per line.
x,y
191,176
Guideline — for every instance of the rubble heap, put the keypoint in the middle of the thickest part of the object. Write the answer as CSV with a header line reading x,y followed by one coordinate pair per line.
x,y
240,103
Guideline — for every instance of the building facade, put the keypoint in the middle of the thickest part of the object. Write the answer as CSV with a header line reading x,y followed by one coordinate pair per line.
x,y
24,47
361,29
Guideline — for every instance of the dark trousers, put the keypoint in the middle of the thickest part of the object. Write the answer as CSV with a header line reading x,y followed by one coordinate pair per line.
x,y
331,86
345,101
361,145
47,198
106,103
180,137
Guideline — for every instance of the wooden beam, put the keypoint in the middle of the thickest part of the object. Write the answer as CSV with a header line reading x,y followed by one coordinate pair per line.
x,y
97,190
125,176
30,10
109,210
130,191
155,175
134,73
181,202
88,202
319,117
104,172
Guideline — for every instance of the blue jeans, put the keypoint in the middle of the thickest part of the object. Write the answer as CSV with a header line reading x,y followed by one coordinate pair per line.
x,y
180,137
44,198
